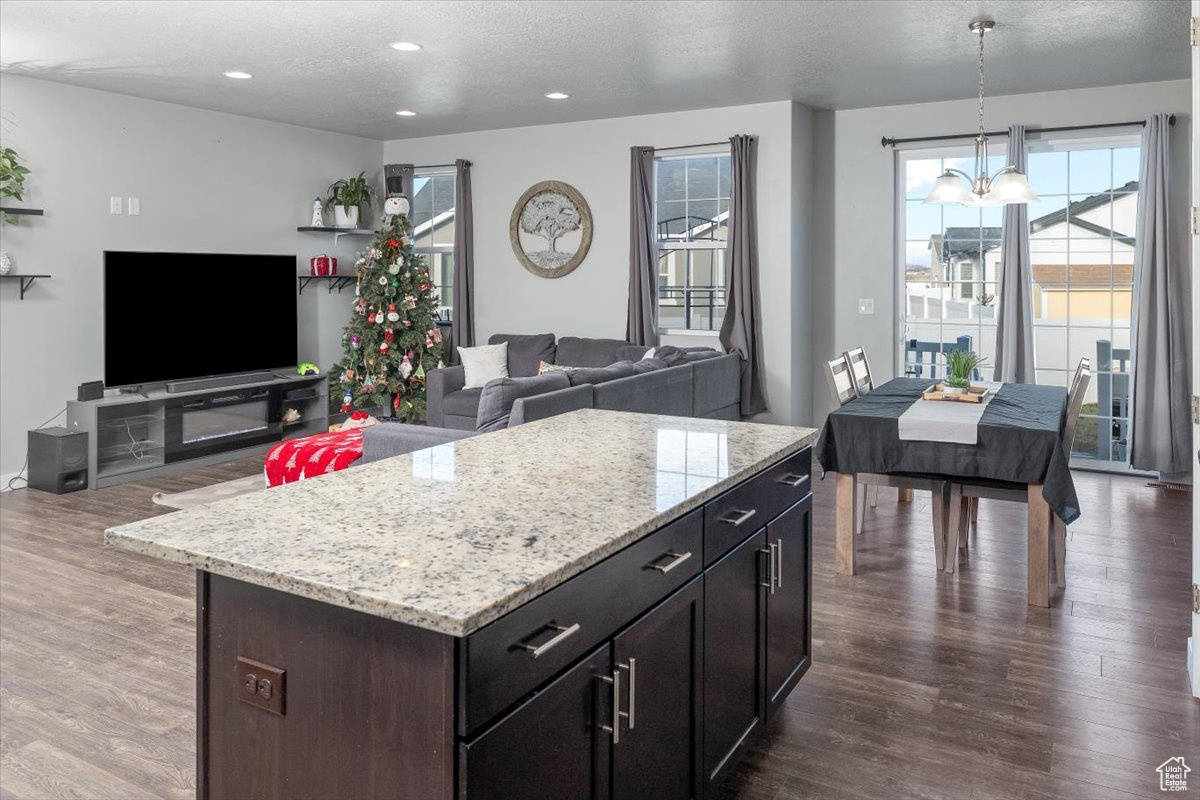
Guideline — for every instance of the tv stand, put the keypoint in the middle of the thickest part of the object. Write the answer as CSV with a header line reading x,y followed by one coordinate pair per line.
x,y
134,436
221,381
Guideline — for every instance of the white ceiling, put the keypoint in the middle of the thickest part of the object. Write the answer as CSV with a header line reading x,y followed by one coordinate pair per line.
x,y
488,64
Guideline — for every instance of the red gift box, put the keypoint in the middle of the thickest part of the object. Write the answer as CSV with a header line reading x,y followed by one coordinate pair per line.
x,y
322,265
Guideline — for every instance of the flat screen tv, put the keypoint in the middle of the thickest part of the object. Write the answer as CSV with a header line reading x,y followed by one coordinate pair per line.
x,y
173,316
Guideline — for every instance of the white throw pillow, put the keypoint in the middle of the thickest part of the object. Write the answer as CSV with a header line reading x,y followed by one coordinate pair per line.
x,y
484,363
649,353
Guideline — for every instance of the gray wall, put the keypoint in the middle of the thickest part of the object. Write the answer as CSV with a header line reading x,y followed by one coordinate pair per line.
x,y
208,182
594,157
853,215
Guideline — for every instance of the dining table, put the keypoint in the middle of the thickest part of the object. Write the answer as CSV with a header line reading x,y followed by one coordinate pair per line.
x,y
1012,440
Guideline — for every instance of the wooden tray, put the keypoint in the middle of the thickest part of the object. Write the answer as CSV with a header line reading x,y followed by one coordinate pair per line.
x,y
975,394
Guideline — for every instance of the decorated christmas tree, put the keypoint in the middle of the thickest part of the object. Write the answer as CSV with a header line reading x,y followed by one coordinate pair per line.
x,y
392,340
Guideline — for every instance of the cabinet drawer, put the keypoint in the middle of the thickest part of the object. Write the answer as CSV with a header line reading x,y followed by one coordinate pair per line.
x,y
733,516
501,663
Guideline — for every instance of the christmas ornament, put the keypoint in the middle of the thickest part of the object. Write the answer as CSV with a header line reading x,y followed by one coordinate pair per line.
x,y
383,280
393,314
410,302
405,367
423,286
347,399
394,268
383,348
389,335
355,341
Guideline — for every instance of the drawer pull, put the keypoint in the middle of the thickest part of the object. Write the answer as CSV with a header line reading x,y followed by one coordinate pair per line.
x,y
736,517
631,714
542,649
793,480
678,558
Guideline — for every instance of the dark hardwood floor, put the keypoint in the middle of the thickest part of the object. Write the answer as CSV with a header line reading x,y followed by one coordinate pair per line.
x,y
923,685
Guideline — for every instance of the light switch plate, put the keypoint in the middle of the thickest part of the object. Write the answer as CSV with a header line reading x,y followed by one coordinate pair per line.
x,y
866,305
134,204
115,205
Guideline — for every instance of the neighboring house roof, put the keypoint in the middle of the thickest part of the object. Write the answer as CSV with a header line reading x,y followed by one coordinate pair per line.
x,y
1073,211
425,199
963,243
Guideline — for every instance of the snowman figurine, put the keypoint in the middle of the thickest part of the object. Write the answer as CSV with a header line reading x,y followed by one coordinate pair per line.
x,y
396,204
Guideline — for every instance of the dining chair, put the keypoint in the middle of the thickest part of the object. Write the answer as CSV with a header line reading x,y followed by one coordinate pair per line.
x,y
959,492
860,370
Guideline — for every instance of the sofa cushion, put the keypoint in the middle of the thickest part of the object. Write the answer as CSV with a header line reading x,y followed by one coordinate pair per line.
x,y
594,375
463,403
574,351
498,396
634,352
484,363
717,384
648,365
663,391
525,352
701,353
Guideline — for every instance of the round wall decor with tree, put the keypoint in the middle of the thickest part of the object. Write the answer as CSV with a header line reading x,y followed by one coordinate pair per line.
x,y
551,229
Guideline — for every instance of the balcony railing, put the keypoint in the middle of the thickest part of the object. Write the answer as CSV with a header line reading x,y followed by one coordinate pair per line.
x,y
703,301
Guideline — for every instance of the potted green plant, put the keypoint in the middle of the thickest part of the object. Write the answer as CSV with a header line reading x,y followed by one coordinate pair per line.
x,y
960,365
12,179
346,197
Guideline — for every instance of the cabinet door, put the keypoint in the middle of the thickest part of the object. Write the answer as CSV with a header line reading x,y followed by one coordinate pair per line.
x,y
734,613
657,754
789,602
549,748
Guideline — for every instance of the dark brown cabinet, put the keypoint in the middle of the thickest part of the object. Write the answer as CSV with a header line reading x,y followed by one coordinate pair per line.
x,y
659,661
733,653
551,747
789,601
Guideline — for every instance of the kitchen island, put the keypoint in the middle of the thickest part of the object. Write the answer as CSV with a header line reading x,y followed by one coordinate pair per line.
x,y
599,604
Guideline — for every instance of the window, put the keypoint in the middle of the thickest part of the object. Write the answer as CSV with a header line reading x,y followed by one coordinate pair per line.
x,y
433,230
692,225
1081,247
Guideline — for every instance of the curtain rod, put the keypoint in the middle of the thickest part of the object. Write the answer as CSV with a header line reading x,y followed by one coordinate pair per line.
x,y
432,166
689,146
887,141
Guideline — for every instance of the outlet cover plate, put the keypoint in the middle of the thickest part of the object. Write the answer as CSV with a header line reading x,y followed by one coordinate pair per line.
x,y
866,305
261,684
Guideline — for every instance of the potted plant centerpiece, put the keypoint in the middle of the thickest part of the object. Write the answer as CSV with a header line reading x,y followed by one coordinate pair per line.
x,y
346,197
960,365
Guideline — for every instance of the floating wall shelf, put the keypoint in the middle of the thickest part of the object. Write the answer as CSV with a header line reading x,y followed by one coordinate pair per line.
x,y
338,282
26,281
22,212
338,233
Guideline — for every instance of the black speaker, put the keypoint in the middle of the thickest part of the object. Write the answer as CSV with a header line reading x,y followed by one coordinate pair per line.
x,y
91,390
58,460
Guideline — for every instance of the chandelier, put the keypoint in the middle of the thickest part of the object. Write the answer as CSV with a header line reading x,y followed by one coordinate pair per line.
x,y
1008,185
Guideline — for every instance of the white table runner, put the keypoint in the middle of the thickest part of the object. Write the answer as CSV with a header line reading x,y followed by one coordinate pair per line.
x,y
944,420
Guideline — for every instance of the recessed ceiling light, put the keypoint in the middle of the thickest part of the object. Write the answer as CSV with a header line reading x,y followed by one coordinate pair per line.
x,y
238,76
557,95
406,47
406,113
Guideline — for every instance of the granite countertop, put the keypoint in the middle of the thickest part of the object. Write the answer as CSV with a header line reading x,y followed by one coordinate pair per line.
x,y
452,537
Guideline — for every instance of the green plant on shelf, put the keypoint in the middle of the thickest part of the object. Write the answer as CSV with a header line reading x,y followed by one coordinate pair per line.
x,y
12,180
960,366
350,193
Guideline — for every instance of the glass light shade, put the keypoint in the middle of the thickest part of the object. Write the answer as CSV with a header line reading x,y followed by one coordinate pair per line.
x,y
1011,186
949,188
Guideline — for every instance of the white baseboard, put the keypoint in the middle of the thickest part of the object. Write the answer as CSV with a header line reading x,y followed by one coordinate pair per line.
x,y
6,477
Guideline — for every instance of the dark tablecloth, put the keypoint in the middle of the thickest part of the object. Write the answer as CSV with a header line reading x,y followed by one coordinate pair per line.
x,y
1020,441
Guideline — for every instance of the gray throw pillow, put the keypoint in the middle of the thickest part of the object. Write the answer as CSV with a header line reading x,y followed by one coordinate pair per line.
x,y
670,354
497,398
582,352
594,375
648,365
526,352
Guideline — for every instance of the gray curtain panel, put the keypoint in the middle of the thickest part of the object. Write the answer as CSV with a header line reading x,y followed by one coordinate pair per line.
x,y
462,321
1161,434
741,330
1014,325
643,256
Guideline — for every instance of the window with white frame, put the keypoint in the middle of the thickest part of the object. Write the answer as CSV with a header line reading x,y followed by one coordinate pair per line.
x,y
691,227
432,216
1081,246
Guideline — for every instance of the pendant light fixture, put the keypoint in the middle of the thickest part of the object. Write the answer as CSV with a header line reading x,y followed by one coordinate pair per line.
x,y
1006,186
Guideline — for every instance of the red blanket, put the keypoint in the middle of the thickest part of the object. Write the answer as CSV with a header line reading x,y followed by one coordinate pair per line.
x,y
297,459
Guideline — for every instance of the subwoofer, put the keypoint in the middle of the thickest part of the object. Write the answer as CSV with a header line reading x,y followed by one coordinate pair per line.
x,y
58,460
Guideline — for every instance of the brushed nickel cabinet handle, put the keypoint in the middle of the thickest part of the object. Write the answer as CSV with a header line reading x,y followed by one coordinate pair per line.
x,y
773,548
631,715
779,563
615,727
769,552
542,649
738,516
792,479
678,558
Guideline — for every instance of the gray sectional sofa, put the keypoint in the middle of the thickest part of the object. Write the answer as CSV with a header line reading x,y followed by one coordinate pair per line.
x,y
606,373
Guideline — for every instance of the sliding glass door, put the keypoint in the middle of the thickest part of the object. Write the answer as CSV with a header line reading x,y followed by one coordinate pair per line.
x,y
1081,243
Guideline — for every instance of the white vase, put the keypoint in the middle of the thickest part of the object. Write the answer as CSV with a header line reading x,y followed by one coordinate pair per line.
x,y
341,219
5,263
